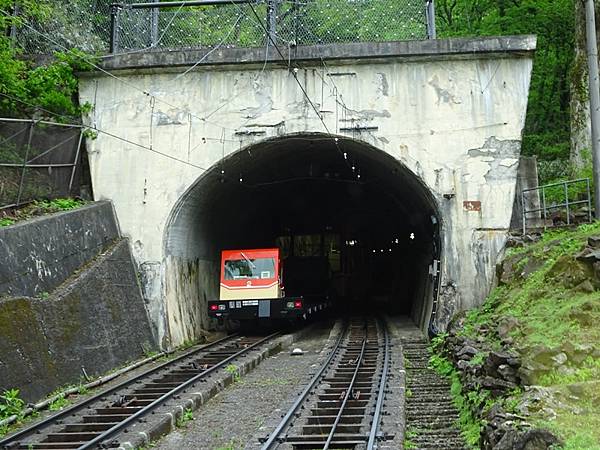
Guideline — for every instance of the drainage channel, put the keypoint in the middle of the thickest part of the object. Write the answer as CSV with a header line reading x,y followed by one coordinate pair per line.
x,y
342,405
96,422
431,417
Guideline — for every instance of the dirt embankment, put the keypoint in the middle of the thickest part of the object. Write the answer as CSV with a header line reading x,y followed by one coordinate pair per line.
x,y
526,365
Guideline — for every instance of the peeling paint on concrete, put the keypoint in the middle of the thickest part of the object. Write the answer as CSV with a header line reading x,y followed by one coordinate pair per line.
x,y
444,95
429,113
382,84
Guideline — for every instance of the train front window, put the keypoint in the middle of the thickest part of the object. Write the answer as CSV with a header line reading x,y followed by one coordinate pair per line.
x,y
237,269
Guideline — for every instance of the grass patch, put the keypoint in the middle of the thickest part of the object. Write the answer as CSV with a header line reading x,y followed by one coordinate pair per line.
x,y
58,404
556,303
467,403
40,208
185,418
234,371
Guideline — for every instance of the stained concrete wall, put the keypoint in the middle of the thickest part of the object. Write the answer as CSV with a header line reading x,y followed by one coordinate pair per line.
x,y
95,321
38,255
451,111
527,178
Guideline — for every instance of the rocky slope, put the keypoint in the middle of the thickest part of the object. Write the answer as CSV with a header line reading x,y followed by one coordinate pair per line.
x,y
526,365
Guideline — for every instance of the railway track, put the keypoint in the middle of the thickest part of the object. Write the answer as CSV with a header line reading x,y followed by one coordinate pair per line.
x,y
431,415
97,421
342,405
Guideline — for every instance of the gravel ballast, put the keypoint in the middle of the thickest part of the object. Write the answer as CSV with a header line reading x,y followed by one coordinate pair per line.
x,y
233,417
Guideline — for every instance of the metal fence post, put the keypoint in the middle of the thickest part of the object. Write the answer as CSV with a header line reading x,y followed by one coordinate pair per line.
x,y
13,26
76,160
115,8
589,197
523,211
430,14
544,205
272,20
154,26
567,203
25,161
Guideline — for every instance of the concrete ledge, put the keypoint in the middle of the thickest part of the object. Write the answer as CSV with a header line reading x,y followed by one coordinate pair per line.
x,y
437,48
38,255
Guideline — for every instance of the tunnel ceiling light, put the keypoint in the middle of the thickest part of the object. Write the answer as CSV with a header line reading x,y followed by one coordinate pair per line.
x,y
412,236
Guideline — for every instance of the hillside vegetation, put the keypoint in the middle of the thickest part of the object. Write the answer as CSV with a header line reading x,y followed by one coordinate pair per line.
x,y
529,358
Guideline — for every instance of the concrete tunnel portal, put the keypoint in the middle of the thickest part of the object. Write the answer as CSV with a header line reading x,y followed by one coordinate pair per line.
x,y
374,219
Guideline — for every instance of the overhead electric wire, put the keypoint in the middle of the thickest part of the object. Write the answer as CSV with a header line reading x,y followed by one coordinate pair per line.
x,y
203,119
127,83
216,47
120,138
294,74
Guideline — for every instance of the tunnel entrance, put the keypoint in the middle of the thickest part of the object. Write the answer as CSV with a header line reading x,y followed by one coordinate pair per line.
x,y
312,195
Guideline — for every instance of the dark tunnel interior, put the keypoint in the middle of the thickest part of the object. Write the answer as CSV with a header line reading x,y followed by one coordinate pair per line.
x,y
342,200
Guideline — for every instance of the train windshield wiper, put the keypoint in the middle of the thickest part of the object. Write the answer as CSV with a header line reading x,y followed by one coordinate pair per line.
x,y
248,259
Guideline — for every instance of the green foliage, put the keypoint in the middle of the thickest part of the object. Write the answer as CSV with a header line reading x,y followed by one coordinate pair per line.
x,y
187,416
24,87
10,404
409,435
547,127
234,371
550,311
59,204
41,207
587,371
59,403
576,191
468,403
6,221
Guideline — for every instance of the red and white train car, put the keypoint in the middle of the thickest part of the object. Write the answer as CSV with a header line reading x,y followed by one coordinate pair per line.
x,y
252,288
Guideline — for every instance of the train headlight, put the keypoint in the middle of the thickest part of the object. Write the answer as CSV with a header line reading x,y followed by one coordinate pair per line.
x,y
289,305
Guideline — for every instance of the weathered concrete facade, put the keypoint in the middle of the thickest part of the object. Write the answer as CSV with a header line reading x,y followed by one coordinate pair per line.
x,y
451,112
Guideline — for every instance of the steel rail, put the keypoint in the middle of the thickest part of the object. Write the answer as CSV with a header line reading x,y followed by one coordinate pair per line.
x,y
286,419
382,383
156,403
348,392
75,408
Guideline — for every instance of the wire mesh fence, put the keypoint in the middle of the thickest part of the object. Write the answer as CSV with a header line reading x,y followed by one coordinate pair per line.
x,y
38,160
82,24
90,25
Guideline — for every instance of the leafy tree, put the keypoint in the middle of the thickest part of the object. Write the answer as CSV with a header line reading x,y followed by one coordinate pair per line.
x,y
25,86
547,128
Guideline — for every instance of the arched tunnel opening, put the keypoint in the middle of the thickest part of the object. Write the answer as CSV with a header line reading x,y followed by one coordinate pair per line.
x,y
372,220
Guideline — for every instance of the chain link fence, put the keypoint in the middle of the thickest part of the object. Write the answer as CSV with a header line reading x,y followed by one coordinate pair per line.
x,y
91,25
38,160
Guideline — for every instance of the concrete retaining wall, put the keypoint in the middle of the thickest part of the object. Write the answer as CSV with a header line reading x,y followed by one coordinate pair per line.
x,y
39,254
88,311
96,321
